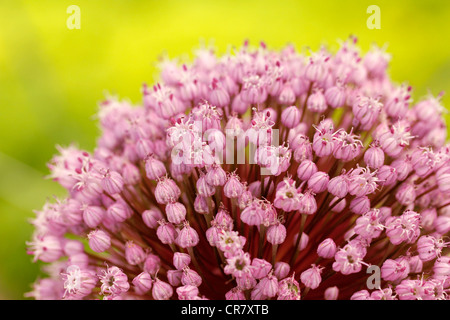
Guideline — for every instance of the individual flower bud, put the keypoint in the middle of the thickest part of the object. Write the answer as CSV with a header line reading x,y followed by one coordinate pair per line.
x,y
187,292
316,102
415,264
166,232
338,186
304,240
441,267
187,237
190,277
327,249
176,212
331,293
151,217
118,212
203,188
360,205
443,181
307,203
154,168
167,191
99,240
276,234
311,277
290,117
402,168
216,176
181,260
161,290
442,224
360,295
235,294
306,169
287,95
338,204
392,270
174,277
233,188
112,182
269,286
261,268
318,182
203,205
134,254
143,282
335,96
374,157
93,216
281,270
387,175
406,194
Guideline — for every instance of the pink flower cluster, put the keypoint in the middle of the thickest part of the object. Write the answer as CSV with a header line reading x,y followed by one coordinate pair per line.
x,y
337,171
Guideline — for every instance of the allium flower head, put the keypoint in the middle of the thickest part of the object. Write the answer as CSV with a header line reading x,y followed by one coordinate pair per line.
x,y
255,175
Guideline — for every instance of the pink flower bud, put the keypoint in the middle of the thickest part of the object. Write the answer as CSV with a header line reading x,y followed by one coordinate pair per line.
x,y
216,176
387,175
311,277
167,191
134,254
187,237
99,240
335,96
151,217
360,205
233,188
276,234
442,224
187,292
143,282
93,216
331,293
190,277
304,240
152,264
269,286
318,182
392,270
406,194
261,268
307,203
161,290
281,270
290,117
326,249
154,168
176,212
174,277
181,260
374,157
118,212
306,169
338,186
166,232
112,182
235,294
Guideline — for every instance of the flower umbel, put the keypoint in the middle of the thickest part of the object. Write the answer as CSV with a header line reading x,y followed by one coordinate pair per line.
x,y
255,175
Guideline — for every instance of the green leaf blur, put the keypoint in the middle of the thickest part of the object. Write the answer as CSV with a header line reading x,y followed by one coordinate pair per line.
x,y
51,78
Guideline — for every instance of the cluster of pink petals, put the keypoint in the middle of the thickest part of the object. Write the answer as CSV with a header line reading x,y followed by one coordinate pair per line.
x,y
358,176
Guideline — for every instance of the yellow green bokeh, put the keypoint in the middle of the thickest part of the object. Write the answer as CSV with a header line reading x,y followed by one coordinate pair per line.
x,y
51,78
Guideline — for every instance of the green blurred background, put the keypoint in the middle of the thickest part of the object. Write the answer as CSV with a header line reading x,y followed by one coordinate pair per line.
x,y
51,78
